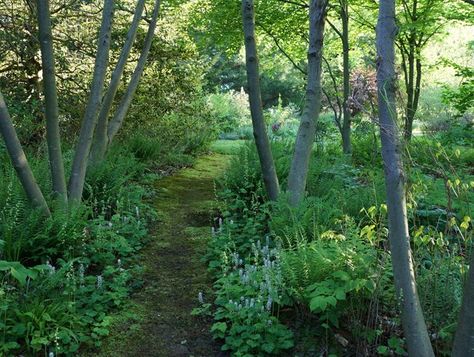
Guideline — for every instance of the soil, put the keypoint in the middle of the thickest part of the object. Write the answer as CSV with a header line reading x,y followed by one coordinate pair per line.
x,y
159,320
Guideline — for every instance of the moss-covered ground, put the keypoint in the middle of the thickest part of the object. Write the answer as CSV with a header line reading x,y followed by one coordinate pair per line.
x,y
158,321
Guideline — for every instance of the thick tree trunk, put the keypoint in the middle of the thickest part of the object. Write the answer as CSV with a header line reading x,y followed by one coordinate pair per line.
x,y
307,129
119,117
19,161
464,338
346,123
414,326
79,164
99,145
267,164
51,102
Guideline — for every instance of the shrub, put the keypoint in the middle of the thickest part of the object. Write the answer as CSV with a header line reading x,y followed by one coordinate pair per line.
x,y
231,110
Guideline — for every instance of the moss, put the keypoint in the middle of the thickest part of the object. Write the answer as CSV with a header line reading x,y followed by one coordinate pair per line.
x,y
158,320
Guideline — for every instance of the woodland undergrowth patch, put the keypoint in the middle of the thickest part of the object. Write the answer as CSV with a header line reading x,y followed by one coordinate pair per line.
x,y
62,277
317,278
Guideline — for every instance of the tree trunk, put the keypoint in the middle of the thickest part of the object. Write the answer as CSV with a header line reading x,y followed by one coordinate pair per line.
x,y
413,91
411,53
51,102
19,161
346,124
79,164
267,164
464,338
117,120
99,145
414,326
307,129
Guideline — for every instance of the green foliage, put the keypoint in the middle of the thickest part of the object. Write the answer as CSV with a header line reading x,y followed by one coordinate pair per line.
x,y
231,110
331,254
246,296
461,99
63,275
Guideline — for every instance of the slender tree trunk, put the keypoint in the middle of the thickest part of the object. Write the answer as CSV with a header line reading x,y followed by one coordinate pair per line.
x,y
119,117
346,124
79,164
307,129
99,145
464,338
409,111
413,73
51,102
413,90
414,326
264,150
19,161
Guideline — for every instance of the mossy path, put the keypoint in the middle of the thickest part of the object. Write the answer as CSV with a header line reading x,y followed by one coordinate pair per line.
x,y
159,322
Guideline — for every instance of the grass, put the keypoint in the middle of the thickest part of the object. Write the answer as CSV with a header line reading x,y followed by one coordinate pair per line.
x,y
227,147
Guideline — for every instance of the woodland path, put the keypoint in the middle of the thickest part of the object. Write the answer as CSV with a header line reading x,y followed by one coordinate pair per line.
x,y
159,321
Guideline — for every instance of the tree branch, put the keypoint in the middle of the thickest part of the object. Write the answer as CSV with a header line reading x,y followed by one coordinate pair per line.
x,y
334,28
282,50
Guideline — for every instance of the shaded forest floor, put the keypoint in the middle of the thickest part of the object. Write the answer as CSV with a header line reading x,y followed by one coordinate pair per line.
x,y
159,321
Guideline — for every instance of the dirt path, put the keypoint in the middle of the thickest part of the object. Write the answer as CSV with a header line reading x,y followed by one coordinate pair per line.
x,y
159,322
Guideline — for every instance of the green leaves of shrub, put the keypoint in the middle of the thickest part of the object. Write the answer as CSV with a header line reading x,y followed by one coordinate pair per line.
x,y
19,272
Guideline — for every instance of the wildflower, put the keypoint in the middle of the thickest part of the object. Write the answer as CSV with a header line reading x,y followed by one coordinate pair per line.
x,y
200,297
100,281
81,274
51,268
269,303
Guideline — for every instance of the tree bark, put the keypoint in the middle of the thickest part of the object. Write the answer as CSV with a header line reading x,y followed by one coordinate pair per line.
x,y
416,333
464,338
307,129
410,48
346,123
53,137
119,117
79,164
19,161
99,145
267,164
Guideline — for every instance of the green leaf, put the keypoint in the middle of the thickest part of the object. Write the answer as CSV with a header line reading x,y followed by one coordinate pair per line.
x,y
18,271
342,275
219,327
318,303
340,294
383,350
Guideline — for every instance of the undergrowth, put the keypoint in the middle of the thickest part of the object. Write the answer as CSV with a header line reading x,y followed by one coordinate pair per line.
x,y
319,274
63,276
